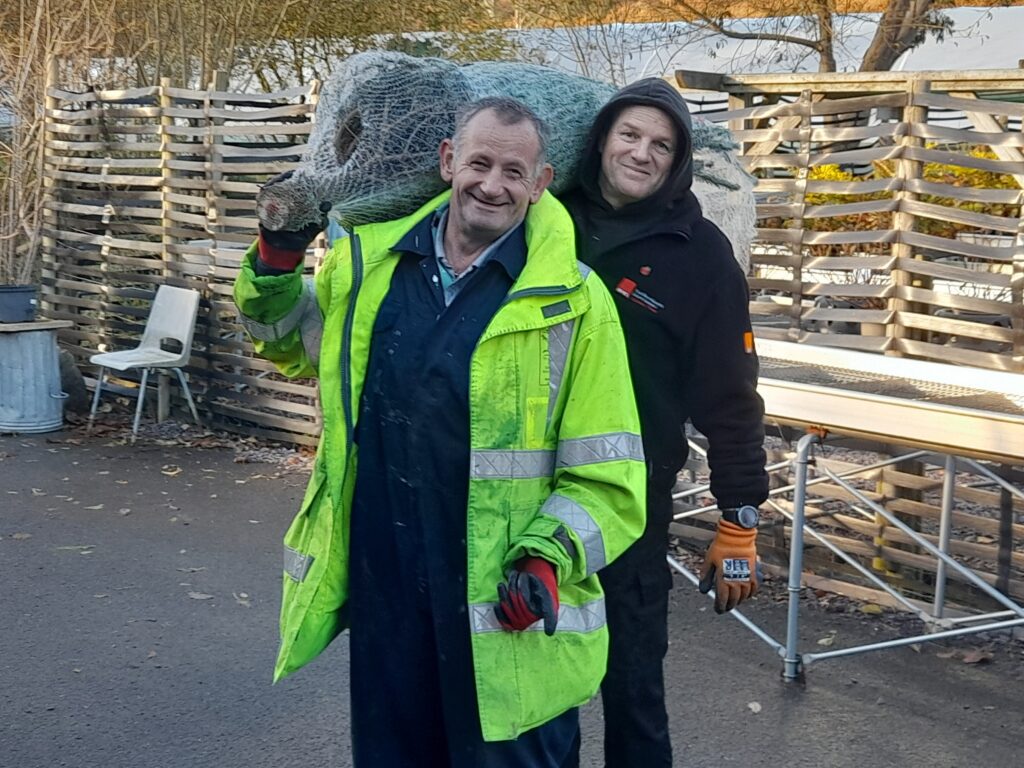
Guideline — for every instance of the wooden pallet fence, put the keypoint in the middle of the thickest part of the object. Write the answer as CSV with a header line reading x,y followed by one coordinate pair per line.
x,y
889,209
157,185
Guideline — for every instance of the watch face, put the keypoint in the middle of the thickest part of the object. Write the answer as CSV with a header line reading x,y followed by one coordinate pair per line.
x,y
747,516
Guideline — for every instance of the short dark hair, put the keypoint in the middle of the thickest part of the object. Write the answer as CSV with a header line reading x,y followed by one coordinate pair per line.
x,y
509,112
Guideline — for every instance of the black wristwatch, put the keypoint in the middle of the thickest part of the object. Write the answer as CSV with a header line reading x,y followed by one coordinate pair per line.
x,y
746,516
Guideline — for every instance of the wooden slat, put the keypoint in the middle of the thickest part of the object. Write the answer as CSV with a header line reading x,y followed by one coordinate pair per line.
x,y
874,316
869,236
950,354
951,300
988,252
842,340
962,160
960,216
850,209
940,101
951,272
100,95
849,289
263,129
964,194
878,263
955,327
829,107
932,132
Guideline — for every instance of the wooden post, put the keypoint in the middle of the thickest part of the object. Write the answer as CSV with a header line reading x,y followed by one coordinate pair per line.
x,y
1016,308
166,174
167,239
49,220
803,172
906,171
1004,558
214,157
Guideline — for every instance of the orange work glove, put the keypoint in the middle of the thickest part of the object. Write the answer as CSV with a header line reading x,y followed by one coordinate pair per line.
x,y
730,566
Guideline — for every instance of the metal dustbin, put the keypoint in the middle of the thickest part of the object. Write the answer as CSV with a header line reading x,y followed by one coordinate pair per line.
x,y
31,399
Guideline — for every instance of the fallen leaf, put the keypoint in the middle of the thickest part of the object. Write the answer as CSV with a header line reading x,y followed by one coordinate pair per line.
x,y
871,608
170,470
100,596
38,492
95,506
124,511
121,482
192,570
977,656
754,707
828,640
76,547
200,596
151,655
915,647
946,654
254,522
242,599
21,536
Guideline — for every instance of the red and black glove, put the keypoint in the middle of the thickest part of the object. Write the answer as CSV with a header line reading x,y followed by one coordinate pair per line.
x,y
530,594
283,250
730,566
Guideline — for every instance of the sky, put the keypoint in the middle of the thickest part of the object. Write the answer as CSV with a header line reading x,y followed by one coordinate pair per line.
x,y
986,38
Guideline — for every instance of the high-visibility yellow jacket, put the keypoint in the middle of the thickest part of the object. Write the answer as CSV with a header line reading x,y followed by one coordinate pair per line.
x,y
555,443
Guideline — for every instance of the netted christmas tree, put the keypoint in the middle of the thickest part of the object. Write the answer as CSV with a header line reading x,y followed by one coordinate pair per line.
x,y
373,152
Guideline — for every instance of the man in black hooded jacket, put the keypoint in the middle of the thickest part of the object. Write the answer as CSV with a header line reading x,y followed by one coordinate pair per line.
x,y
682,299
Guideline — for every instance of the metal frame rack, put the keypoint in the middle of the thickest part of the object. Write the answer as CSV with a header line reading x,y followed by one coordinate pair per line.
x,y
967,415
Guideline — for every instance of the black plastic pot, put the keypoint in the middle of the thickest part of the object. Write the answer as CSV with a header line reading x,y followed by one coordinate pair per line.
x,y
17,303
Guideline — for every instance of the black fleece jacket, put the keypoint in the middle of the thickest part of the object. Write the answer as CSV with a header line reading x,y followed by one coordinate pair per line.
x,y
682,299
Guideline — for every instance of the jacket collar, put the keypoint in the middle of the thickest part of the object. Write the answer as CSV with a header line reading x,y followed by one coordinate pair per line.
x,y
549,252
419,241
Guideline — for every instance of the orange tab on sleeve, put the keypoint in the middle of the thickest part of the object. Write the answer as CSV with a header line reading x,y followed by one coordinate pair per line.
x,y
748,342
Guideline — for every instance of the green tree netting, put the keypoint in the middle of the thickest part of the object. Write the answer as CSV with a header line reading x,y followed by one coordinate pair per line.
x,y
373,152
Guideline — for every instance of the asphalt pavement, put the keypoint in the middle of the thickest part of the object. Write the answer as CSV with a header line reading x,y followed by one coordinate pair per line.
x,y
138,629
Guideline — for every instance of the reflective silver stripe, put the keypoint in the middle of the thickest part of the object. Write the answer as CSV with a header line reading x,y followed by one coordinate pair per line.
x,y
580,522
296,564
584,269
593,450
311,327
559,337
527,464
571,618
511,465
284,326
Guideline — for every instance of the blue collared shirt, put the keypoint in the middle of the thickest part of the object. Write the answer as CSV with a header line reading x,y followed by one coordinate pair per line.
x,y
451,283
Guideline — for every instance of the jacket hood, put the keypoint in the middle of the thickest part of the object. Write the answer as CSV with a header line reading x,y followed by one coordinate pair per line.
x,y
673,207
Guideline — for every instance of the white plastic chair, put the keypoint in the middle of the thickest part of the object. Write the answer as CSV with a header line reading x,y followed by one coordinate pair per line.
x,y
172,316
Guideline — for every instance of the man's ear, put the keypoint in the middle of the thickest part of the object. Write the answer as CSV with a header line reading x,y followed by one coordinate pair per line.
x,y
544,178
446,153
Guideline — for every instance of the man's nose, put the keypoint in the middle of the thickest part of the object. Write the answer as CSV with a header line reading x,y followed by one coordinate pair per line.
x,y
490,184
642,151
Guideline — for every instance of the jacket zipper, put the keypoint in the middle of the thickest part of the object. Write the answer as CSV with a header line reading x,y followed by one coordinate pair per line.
x,y
551,290
346,344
